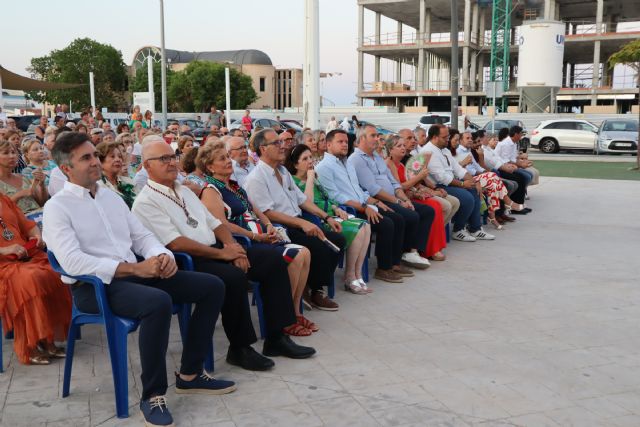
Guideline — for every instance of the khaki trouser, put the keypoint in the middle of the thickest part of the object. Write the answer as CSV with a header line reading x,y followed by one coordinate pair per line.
x,y
450,206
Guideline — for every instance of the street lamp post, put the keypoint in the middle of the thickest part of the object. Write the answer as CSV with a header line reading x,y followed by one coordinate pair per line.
x,y
163,68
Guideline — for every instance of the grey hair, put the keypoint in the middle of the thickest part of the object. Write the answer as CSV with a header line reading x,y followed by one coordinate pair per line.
x,y
305,134
258,139
360,132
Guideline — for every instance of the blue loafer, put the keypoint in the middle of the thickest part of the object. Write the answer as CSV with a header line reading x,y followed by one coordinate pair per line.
x,y
155,412
204,384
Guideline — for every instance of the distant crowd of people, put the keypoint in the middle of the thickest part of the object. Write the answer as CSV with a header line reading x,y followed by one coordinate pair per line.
x,y
281,208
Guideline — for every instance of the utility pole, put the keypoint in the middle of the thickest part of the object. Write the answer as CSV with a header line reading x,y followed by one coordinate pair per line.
x,y
454,64
163,68
311,78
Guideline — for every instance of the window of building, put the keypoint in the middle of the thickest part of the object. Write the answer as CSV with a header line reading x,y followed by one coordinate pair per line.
x,y
262,84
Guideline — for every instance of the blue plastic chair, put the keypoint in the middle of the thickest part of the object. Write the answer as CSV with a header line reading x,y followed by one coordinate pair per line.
x,y
116,328
255,288
185,262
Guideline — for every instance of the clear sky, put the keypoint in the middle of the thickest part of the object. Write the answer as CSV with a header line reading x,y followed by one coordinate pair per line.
x,y
273,26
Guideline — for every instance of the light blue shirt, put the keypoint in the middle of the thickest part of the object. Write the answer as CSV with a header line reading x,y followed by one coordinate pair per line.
x,y
340,180
240,172
473,168
373,173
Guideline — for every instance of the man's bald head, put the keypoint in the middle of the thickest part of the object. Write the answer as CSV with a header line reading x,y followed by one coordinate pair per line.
x,y
153,144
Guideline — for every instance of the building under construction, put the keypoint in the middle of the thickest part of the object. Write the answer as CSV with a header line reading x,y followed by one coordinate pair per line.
x,y
419,52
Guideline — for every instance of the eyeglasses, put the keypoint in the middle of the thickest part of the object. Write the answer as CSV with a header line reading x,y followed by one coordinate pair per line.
x,y
276,142
243,148
166,159
288,139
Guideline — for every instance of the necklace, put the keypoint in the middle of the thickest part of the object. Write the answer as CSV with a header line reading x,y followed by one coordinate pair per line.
x,y
6,233
191,221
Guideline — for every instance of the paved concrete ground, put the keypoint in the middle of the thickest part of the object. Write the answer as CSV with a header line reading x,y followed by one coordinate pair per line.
x,y
550,340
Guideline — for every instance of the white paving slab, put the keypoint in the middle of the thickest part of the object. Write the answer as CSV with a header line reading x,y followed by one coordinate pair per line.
x,y
538,328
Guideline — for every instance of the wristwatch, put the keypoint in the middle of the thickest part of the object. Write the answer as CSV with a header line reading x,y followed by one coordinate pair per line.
x,y
363,206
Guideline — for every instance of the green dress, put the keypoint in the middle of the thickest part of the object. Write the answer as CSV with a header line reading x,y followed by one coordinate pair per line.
x,y
350,227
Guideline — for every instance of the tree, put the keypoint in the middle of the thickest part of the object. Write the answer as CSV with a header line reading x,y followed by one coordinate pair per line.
x,y
201,84
73,64
629,55
140,82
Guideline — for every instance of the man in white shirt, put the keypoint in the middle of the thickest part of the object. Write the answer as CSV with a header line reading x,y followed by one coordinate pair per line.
x,y
331,125
91,232
183,224
448,173
237,150
272,190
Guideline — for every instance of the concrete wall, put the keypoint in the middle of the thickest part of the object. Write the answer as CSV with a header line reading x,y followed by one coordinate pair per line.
x,y
265,98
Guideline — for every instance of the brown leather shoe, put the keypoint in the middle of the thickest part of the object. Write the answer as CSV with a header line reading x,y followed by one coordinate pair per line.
x,y
402,271
389,276
320,301
507,218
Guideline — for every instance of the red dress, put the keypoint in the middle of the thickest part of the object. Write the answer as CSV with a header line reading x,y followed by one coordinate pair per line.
x,y
437,236
34,303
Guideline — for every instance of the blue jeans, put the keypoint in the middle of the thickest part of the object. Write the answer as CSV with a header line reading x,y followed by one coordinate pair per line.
x,y
469,212
524,173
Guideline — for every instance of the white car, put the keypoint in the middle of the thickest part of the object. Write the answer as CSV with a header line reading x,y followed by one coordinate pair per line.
x,y
551,136
618,136
434,118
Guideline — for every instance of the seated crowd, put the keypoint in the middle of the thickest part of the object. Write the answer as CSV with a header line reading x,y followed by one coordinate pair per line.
x,y
280,210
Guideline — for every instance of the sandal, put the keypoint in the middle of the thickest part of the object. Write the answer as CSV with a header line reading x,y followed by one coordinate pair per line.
x,y
364,286
39,359
354,287
297,330
513,207
52,351
496,224
304,322
438,256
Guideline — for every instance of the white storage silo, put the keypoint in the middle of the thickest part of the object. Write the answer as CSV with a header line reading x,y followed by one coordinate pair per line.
x,y
540,53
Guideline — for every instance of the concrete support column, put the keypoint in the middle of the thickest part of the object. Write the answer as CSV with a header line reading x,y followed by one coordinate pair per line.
x,y
360,53
426,39
420,41
595,80
399,62
572,75
465,49
547,9
464,80
474,53
376,69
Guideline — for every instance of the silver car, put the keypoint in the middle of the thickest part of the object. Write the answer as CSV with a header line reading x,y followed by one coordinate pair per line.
x,y
618,136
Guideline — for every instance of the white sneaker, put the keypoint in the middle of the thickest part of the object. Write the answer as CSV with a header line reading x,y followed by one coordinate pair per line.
x,y
463,235
482,235
414,259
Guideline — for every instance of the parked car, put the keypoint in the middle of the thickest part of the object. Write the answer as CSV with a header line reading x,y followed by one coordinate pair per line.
x,y
617,136
192,123
551,136
506,123
291,124
429,119
381,130
23,122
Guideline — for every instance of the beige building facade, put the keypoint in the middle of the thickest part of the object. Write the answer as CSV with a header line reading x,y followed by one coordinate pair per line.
x,y
276,88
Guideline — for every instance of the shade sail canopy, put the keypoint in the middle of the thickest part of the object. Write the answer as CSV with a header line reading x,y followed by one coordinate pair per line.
x,y
17,82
